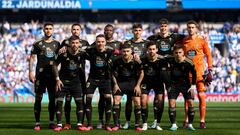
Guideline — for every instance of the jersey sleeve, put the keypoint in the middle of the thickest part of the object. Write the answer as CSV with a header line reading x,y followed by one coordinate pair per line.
x,y
35,49
194,75
207,52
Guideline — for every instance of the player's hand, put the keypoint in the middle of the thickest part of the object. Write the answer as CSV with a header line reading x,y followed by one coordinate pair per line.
x,y
137,90
32,77
116,88
62,50
59,85
192,89
209,77
136,57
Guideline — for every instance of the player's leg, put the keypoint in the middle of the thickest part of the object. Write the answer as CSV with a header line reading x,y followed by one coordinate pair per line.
x,y
51,105
128,112
67,111
116,111
144,105
172,96
160,108
79,111
59,103
137,112
202,108
101,109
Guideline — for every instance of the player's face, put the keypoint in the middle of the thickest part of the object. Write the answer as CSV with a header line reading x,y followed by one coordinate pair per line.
x,y
126,52
178,53
137,32
152,50
48,30
100,43
192,29
108,32
164,28
76,30
75,44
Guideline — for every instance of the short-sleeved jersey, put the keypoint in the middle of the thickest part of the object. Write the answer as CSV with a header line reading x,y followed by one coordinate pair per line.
x,y
152,68
165,44
46,54
138,47
180,72
83,43
100,63
71,65
126,71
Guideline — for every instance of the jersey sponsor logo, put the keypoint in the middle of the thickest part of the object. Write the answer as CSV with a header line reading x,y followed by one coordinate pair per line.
x,y
163,46
137,51
49,53
99,62
191,53
72,65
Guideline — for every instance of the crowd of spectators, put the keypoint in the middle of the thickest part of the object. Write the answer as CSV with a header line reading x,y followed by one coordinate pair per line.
x,y
16,42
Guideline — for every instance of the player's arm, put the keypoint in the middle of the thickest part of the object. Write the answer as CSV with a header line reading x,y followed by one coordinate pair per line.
x,y
114,80
207,52
31,70
194,78
137,87
59,83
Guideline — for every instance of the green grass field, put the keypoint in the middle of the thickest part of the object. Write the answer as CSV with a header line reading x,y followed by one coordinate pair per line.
x,y
222,118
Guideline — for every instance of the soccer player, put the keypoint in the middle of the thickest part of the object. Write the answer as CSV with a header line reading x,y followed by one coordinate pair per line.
x,y
68,81
181,67
115,45
76,31
138,45
127,80
165,42
196,48
100,76
46,51
154,67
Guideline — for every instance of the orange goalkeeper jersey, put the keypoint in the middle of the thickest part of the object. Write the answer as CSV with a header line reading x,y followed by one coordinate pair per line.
x,y
196,49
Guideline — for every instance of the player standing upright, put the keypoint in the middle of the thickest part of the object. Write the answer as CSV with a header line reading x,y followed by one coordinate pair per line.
x,y
196,48
68,81
181,67
76,31
127,80
115,45
138,45
46,51
165,42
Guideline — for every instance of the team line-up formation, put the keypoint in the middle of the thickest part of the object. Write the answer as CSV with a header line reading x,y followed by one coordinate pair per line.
x,y
163,62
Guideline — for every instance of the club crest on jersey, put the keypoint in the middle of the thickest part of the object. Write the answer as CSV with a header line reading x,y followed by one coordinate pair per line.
x,y
191,54
67,42
99,62
72,65
164,46
49,53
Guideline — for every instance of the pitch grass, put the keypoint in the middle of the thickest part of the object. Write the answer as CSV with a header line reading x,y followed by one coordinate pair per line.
x,y
222,119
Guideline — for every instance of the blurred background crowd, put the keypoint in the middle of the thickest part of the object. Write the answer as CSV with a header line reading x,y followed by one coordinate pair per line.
x,y
16,42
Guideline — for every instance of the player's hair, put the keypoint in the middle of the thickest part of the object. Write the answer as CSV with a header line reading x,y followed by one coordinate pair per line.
x,y
108,25
163,21
100,35
47,23
74,37
150,43
137,25
177,46
76,24
193,22
125,45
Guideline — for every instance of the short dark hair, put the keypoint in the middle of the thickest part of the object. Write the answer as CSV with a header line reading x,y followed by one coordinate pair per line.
x,y
48,23
193,22
125,45
100,35
76,24
150,43
163,21
137,25
177,46
108,25
74,37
